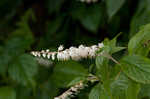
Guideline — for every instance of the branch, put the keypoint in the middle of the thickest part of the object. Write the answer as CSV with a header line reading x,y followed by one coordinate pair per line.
x,y
77,88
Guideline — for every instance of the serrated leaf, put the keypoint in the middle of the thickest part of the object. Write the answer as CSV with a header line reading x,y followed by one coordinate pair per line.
x,y
141,17
139,44
137,68
23,69
119,86
64,72
124,88
7,93
113,7
111,45
98,92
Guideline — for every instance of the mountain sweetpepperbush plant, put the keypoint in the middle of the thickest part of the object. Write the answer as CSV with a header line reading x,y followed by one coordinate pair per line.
x,y
123,79
93,61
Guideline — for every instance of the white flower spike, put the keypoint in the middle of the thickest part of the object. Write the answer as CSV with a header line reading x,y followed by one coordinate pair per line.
x,y
71,53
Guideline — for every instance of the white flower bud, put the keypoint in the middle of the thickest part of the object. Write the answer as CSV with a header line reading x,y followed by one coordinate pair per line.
x,y
60,48
48,55
100,45
66,54
39,54
53,56
59,55
47,50
43,51
44,55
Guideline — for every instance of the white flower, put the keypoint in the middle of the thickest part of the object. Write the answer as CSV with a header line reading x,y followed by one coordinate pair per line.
x,y
66,55
59,55
33,53
47,50
83,51
39,54
56,98
92,53
71,53
60,48
42,51
48,55
94,47
74,53
44,55
100,45
53,56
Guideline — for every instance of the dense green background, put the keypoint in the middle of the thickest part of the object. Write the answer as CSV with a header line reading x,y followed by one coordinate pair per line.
x,y
27,25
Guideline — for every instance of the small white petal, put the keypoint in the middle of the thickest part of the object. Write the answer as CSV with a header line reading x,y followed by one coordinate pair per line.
x,y
42,51
81,47
60,48
47,50
100,45
59,55
44,55
53,56
94,47
48,55
39,54
56,98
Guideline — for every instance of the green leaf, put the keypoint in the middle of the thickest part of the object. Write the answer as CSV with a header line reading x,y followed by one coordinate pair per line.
x,y
137,68
76,80
141,16
49,90
16,46
13,48
102,67
133,90
23,69
98,92
90,17
144,92
123,88
111,45
54,6
23,92
139,44
113,7
119,86
7,93
23,31
65,72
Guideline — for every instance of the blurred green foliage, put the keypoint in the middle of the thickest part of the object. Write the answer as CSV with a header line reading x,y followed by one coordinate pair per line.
x,y
45,24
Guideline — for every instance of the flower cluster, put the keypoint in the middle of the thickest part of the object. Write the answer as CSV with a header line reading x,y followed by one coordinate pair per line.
x,y
71,53
89,1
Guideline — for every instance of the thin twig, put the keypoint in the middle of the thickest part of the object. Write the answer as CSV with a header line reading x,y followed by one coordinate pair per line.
x,y
76,89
